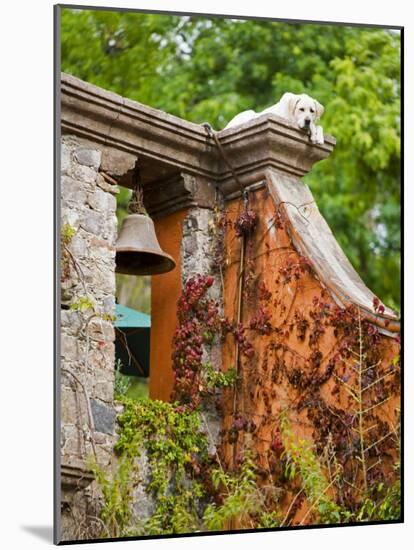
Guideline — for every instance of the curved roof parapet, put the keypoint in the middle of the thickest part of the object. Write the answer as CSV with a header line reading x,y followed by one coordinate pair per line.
x,y
314,239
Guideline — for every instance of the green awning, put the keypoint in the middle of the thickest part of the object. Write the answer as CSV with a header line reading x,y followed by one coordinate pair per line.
x,y
132,343
127,317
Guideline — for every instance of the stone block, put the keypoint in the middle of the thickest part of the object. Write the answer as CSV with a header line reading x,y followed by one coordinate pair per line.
x,y
78,246
103,417
93,222
65,158
69,348
112,229
97,359
100,249
85,174
99,438
71,321
102,201
191,224
69,215
104,278
99,329
73,405
104,391
106,186
88,157
71,440
104,456
73,192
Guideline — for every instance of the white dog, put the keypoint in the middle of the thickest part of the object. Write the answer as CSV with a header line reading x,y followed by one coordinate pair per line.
x,y
301,109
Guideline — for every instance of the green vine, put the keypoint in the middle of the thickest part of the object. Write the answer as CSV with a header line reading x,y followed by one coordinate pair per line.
x,y
219,379
122,383
241,500
117,494
176,448
301,460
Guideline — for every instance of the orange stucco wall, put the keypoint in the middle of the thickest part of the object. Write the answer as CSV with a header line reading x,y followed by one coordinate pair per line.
x,y
165,291
264,390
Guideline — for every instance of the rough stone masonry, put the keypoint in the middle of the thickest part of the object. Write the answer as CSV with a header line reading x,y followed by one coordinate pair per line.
x,y
88,213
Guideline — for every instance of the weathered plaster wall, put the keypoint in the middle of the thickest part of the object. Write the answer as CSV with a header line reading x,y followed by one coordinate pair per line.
x,y
300,347
88,206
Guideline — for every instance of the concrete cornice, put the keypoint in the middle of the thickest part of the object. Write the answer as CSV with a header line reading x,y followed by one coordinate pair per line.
x,y
168,145
113,121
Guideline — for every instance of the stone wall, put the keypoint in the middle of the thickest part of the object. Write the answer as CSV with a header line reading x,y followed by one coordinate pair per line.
x,y
200,240
88,219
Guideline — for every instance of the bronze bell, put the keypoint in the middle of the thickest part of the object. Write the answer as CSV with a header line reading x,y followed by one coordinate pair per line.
x,y
137,249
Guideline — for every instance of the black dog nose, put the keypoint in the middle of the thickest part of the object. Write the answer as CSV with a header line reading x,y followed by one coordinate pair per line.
x,y
307,121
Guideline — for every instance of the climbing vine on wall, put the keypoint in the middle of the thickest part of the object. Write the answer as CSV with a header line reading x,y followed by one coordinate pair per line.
x,y
344,465
336,395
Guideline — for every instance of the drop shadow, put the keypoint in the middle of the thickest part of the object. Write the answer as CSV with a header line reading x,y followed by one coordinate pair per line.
x,y
42,532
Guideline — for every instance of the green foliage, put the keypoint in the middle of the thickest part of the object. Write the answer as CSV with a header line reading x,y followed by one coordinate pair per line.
x,y
138,388
117,494
301,460
383,502
269,520
210,68
219,379
390,507
171,438
380,502
176,449
67,232
122,382
173,514
174,444
173,441
241,496
84,303
386,505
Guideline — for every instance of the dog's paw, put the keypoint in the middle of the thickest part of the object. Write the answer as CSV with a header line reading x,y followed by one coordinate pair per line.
x,y
316,137
319,135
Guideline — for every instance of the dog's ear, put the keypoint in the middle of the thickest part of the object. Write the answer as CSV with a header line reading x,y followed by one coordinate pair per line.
x,y
319,109
288,103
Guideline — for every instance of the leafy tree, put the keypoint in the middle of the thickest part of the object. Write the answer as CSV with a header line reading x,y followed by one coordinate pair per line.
x,y
210,68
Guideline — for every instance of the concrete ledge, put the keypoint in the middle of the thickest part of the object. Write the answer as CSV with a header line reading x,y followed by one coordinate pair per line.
x,y
75,476
167,145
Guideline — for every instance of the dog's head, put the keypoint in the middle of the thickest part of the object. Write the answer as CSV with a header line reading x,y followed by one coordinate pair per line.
x,y
301,109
